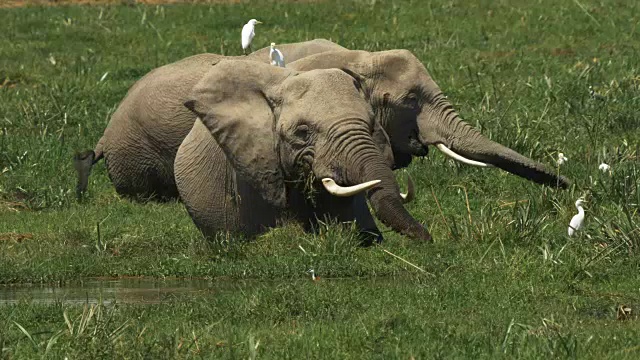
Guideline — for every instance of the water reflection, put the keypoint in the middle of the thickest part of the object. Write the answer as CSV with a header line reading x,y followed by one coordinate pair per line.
x,y
129,290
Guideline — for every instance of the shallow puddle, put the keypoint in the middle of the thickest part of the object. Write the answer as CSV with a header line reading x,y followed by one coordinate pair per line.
x,y
128,290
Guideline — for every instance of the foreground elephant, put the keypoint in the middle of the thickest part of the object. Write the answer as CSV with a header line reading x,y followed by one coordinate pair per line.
x,y
143,135
278,133
411,113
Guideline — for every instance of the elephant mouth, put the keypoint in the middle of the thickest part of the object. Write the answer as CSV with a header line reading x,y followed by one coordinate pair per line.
x,y
402,159
417,148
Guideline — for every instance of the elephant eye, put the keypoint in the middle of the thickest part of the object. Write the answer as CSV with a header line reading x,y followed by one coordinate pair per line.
x,y
411,100
302,132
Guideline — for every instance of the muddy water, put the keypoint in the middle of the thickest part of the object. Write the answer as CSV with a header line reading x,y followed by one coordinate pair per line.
x,y
133,291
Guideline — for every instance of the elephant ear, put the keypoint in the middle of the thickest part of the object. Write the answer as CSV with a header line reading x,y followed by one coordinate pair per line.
x,y
233,103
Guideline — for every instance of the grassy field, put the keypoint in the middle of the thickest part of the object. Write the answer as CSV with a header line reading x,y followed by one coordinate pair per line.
x,y
502,280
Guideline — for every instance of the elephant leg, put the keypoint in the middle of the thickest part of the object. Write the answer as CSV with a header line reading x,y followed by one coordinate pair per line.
x,y
139,173
142,179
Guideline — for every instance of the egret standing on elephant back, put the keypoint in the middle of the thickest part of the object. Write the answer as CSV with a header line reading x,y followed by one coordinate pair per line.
x,y
275,56
248,33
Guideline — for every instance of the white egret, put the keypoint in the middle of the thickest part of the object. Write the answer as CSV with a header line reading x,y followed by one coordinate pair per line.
x,y
604,167
561,159
277,59
248,33
577,219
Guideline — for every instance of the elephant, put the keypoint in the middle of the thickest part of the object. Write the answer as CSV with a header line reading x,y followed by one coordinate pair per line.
x,y
411,113
415,113
286,144
143,135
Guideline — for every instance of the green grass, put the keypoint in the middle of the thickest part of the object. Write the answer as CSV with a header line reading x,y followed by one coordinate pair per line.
x,y
503,280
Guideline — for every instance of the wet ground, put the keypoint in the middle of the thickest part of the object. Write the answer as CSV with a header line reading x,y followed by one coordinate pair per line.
x,y
127,290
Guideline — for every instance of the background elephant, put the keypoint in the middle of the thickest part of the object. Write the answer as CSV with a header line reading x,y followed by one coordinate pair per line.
x,y
144,133
415,113
411,113
277,133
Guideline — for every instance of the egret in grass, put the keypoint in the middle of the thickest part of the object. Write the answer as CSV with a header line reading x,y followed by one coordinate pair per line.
x,y
313,275
577,219
604,167
248,33
561,159
277,59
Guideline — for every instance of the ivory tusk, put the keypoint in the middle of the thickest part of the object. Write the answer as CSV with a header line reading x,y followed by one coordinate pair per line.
x,y
455,156
337,190
411,191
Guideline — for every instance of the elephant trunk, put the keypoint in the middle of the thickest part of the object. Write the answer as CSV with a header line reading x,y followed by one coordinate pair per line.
x,y
441,125
385,197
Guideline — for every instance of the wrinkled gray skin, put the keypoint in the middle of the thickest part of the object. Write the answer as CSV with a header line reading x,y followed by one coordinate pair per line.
x,y
143,135
282,131
411,113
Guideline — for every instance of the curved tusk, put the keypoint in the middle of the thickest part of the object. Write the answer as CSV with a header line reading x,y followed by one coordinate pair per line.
x,y
455,156
337,190
411,191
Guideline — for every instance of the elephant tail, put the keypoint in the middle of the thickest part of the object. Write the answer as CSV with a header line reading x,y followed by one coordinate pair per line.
x,y
83,162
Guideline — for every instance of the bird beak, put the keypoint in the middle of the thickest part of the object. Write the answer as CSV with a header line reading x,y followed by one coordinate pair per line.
x,y
258,22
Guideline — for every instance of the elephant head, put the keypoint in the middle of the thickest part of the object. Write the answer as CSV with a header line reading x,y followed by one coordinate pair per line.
x,y
415,113
276,126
